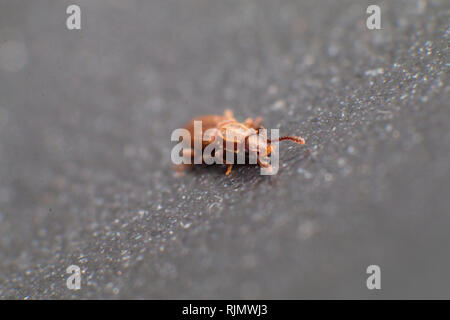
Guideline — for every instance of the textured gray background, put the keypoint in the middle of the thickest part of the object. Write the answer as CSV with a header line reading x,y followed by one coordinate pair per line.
x,y
85,171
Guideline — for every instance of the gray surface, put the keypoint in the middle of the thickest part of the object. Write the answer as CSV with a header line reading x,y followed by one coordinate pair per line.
x,y
85,171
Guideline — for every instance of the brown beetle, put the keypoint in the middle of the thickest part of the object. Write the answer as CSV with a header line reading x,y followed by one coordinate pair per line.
x,y
227,128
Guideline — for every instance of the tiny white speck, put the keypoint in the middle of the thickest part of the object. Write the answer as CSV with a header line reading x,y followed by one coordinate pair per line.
x,y
185,225
374,72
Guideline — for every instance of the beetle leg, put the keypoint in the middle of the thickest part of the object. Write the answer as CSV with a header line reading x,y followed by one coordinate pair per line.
x,y
230,166
179,169
248,122
255,124
228,114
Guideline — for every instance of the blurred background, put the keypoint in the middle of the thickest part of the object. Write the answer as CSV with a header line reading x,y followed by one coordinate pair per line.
x,y
85,170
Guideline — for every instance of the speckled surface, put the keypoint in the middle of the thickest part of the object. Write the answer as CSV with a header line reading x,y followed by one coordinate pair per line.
x,y
85,171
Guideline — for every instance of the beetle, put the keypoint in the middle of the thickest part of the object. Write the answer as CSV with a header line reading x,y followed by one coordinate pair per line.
x,y
227,128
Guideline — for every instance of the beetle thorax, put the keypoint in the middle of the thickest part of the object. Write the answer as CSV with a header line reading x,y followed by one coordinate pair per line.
x,y
235,132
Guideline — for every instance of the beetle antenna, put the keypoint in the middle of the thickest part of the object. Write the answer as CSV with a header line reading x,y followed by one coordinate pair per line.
x,y
295,139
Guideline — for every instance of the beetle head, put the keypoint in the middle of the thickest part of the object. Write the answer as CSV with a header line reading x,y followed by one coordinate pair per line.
x,y
261,146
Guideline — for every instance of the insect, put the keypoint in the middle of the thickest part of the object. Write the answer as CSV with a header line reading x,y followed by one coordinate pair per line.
x,y
245,134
